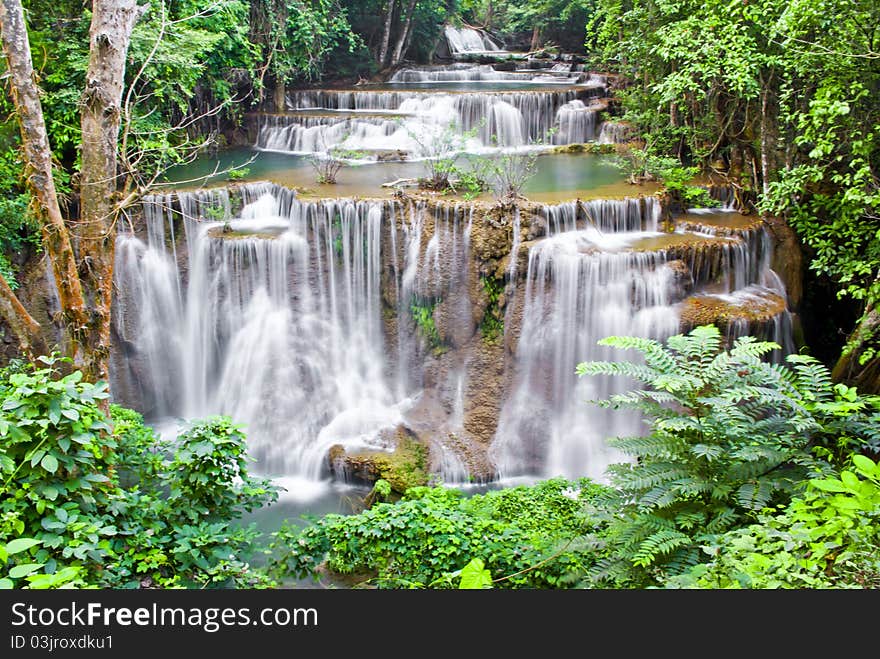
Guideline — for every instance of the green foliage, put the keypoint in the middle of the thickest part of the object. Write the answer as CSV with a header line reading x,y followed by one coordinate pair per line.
x,y
475,576
18,229
422,313
555,21
57,478
509,171
184,533
327,166
441,151
642,165
300,35
107,503
492,325
827,538
238,174
677,182
521,534
787,85
730,435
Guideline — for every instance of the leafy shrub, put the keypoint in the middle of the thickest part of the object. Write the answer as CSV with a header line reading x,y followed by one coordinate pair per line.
x,y
524,536
730,435
829,538
327,166
105,502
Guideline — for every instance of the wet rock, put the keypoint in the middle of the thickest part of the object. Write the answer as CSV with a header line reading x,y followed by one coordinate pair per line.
x,y
758,309
403,468
396,155
682,279
454,321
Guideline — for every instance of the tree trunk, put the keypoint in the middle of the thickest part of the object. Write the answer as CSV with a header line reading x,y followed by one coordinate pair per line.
x,y
769,130
386,34
399,49
536,38
26,329
109,39
279,97
865,340
38,173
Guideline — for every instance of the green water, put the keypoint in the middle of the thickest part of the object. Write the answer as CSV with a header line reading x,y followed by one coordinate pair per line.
x,y
557,177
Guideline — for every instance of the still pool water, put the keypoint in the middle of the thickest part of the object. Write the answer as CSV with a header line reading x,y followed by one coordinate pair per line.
x,y
557,177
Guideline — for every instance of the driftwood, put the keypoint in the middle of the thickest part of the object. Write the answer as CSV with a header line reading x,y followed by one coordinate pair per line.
x,y
406,182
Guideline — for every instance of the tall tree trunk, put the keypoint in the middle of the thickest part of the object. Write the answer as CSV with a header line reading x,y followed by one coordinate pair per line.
x,y
110,36
38,173
399,49
536,38
769,129
386,34
279,95
26,329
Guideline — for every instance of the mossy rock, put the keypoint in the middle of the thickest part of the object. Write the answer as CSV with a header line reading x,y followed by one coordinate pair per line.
x,y
709,309
403,468
232,234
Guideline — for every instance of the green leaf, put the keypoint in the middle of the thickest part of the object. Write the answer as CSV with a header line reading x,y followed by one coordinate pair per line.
x,y
54,411
865,465
850,480
475,576
23,570
21,544
6,584
49,463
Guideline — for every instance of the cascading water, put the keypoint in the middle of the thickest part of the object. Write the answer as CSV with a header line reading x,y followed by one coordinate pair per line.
x,y
576,292
324,322
458,73
420,113
278,325
500,119
434,275
463,41
605,270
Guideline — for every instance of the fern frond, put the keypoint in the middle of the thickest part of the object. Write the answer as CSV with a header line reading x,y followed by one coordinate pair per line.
x,y
690,520
747,346
656,356
812,376
649,446
681,560
722,520
650,476
710,452
756,495
657,544
627,369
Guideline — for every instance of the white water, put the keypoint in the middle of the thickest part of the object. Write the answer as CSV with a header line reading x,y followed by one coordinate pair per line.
x,y
278,327
577,292
427,124
468,41
461,73
588,280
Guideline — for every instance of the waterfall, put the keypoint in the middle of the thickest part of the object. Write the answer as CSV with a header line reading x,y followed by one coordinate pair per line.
x,y
743,281
575,296
576,123
614,132
434,274
459,72
312,134
500,119
579,288
468,41
277,325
